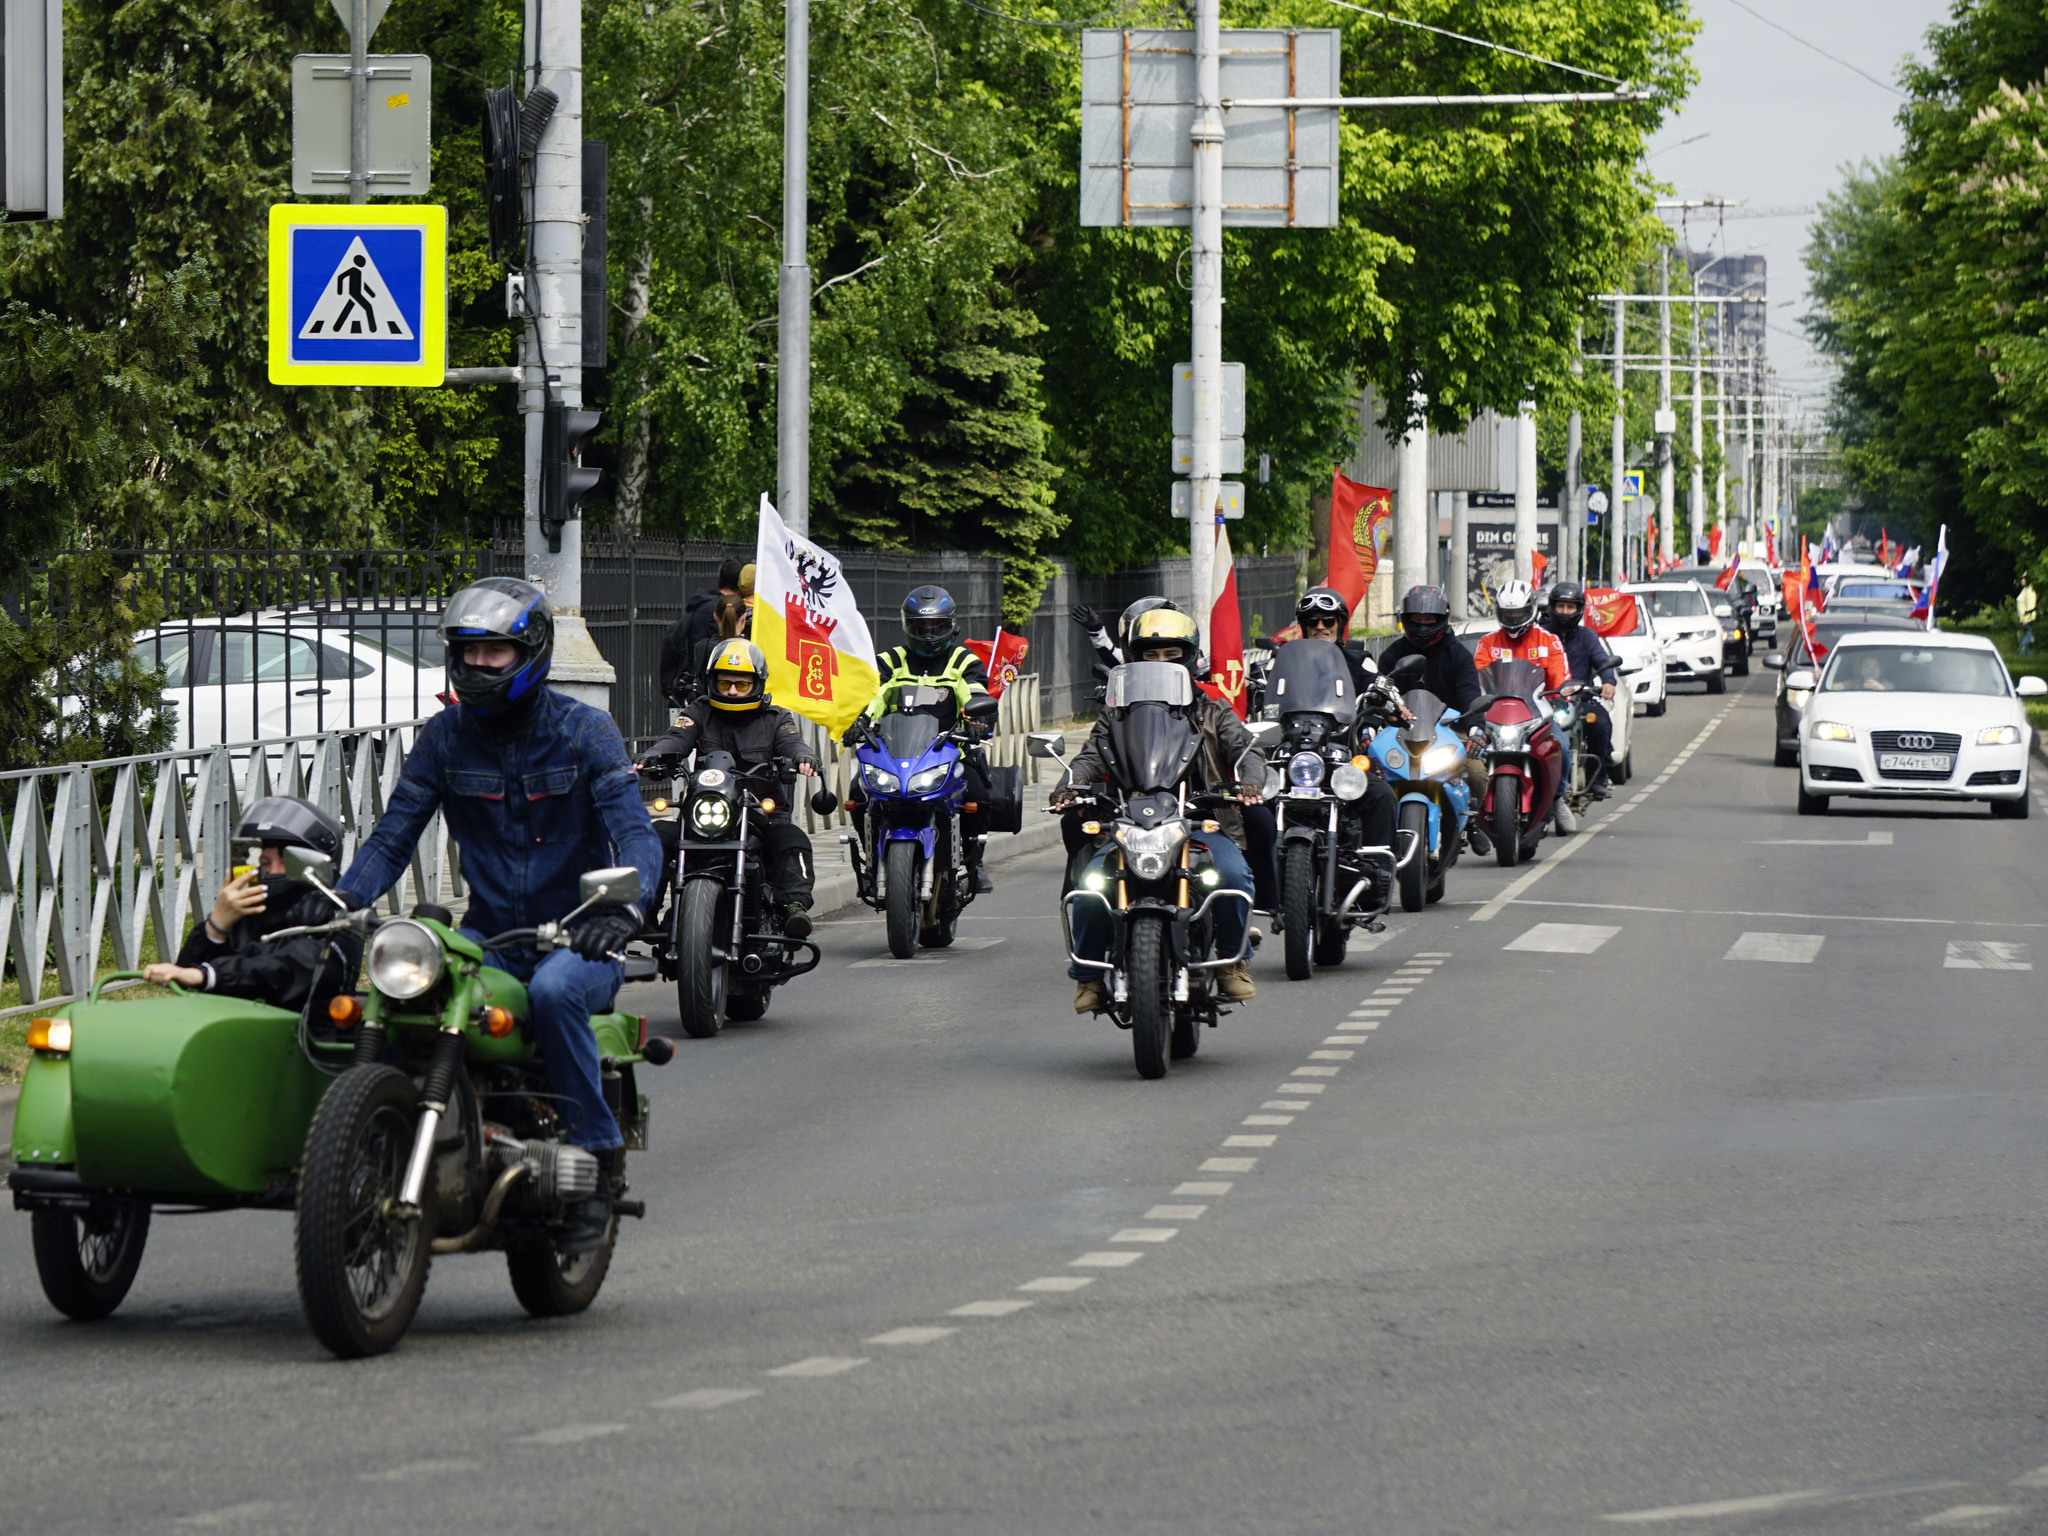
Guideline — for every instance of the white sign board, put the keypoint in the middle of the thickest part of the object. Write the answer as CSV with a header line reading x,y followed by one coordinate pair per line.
x,y
1229,499
401,154
31,109
1138,105
1230,453
1232,424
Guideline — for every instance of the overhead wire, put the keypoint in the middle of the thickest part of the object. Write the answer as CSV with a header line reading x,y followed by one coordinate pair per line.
x,y
1816,47
1423,26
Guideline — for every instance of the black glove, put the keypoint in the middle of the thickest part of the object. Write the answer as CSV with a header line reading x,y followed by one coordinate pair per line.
x,y
855,733
313,909
663,765
604,933
1086,617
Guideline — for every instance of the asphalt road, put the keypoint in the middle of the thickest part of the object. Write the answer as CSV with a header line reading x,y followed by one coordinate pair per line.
x,y
1689,1177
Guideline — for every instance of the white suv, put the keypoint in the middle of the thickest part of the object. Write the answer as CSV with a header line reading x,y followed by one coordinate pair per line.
x,y
1690,632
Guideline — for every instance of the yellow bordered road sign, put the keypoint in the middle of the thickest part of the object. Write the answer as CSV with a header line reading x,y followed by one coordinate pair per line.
x,y
358,295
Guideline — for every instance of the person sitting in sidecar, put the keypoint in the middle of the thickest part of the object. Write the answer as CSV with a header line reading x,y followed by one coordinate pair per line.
x,y
225,952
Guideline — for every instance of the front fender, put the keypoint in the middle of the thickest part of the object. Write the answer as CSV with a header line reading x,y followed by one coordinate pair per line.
x,y
925,837
42,1118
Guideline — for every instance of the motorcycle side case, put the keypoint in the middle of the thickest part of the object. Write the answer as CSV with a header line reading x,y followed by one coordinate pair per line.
x,y
185,1095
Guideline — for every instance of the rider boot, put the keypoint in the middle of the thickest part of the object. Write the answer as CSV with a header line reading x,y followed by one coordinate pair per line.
x,y
977,847
1475,835
1088,997
588,1222
1235,983
796,920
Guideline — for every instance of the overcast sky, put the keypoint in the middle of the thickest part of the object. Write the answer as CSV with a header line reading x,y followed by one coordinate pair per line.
x,y
1780,122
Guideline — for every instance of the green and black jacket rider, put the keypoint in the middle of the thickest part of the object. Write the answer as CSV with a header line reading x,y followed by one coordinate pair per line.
x,y
960,671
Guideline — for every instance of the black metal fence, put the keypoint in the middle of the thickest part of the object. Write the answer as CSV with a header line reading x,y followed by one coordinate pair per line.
x,y
267,643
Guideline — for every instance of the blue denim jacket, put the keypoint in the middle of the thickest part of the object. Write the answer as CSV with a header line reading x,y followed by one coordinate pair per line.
x,y
532,808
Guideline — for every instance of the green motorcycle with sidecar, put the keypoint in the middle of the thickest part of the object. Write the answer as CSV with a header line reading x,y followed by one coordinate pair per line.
x,y
411,1121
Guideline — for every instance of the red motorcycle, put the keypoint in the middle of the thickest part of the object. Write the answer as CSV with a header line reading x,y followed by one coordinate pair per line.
x,y
1524,759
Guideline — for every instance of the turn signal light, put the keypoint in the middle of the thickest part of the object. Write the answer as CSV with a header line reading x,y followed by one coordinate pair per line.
x,y
1212,825
1092,828
498,1022
852,806
661,805
345,1010
767,807
1361,762
49,1035
970,807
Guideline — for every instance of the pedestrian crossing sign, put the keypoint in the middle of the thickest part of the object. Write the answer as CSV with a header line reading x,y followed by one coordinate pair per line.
x,y
358,295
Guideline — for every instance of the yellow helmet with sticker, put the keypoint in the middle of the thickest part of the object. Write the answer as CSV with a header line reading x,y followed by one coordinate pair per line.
x,y
736,677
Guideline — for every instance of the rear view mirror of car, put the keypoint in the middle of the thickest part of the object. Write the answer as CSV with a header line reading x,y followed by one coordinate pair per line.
x,y
1775,660
1723,611
2033,687
1802,679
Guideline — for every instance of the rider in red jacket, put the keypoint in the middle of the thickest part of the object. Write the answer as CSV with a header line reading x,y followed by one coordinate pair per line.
x,y
1521,638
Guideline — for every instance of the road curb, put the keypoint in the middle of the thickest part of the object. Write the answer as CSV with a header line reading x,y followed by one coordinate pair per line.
x,y
838,891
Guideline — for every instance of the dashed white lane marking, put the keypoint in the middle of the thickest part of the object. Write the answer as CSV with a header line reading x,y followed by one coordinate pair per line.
x,y
1249,1141
1286,1104
1985,955
708,1397
1765,1503
1873,840
1107,1258
1301,1087
1514,889
1343,1039
1971,1515
234,1514
1267,1120
2038,1478
1564,938
1785,948
892,964
1818,917
990,1308
1204,1187
1175,1212
913,1335
1145,1235
1317,1071
1228,1165
570,1434
820,1365
1392,991
1057,1283
963,943
1331,1055
1432,954
424,1469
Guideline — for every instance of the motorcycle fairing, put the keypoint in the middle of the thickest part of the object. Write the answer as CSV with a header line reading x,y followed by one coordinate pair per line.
x,y
1311,677
1154,745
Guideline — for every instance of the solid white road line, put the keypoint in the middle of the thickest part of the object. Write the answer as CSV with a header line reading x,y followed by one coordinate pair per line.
x,y
708,1397
1765,1503
1175,1212
1111,1258
1057,1283
1817,917
962,943
1985,955
1564,938
892,964
990,1308
1874,840
1204,1187
1786,948
912,1335
820,1365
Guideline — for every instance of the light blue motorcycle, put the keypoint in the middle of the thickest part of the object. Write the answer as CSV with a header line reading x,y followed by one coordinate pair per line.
x,y
1424,763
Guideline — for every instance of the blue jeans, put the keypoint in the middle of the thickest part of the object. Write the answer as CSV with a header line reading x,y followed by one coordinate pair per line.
x,y
1092,918
565,990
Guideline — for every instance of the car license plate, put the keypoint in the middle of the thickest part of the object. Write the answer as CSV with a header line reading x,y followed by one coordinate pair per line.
x,y
1915,762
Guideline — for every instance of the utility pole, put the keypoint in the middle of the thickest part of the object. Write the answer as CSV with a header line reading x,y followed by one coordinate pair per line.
x,y
553,345
359,102
1721,422
1699,468
1617,463
1525,492
1571,525
1413,515
1461,535
1205,139
793,291
1667,421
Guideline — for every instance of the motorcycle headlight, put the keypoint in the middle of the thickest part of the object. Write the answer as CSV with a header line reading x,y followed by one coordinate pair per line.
x,y
1562,716
1150,850
1999,736
924,783
1305,771
1347,782
886,783
711,813
1440,759
405,960
1509,737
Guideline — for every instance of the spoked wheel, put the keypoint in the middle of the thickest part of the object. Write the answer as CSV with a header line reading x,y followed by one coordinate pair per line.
x,y
1415,873
1507,820
1298,907
701,976
901,906
361,1270
1151,997
551,1284
87,1263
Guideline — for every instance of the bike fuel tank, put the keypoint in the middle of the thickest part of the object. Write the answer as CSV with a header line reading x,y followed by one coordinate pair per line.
x,y
188,1094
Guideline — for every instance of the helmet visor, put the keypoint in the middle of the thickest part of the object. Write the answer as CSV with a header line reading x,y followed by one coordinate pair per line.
x,y
935,627
477,612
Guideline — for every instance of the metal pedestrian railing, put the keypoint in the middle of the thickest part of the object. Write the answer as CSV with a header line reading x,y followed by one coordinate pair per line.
x,y
102,855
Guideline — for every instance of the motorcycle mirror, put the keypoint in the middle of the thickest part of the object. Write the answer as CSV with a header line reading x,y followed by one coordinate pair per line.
x,y
618,887
824,802
982,707
306,863
1409,666
1264,733
1046,744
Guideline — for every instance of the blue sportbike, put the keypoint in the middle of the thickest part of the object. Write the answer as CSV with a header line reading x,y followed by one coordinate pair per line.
x,y
1424,763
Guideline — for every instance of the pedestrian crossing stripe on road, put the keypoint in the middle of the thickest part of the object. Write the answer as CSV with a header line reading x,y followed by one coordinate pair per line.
x,y
1985,955
1785,948
1564,938
1771,948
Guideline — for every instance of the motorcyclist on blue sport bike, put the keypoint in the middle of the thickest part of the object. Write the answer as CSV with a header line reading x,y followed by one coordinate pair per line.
x,y
1588,657
932,656
537,789
1227,762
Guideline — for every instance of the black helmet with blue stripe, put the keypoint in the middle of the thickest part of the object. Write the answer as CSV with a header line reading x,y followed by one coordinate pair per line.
x,y
931,623
499,608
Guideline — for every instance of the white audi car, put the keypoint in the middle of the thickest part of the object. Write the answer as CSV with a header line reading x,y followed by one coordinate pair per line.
x,y
1915,717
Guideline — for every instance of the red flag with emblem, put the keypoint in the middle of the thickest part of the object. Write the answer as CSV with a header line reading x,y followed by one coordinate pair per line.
x,y
1610,612
1361,521
1226,629
1003,657
1726,579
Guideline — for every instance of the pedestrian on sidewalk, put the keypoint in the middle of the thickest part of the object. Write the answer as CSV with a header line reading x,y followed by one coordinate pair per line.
x,y
2029,605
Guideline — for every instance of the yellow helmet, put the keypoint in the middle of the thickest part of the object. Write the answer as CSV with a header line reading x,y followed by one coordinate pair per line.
x,y
1158,628
736,658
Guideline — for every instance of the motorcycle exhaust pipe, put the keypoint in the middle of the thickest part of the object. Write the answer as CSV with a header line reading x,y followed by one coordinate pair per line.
x,y
487,1220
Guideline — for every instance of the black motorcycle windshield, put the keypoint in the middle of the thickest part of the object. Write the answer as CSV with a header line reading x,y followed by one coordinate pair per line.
x,y
1427,709
907,736
1311,676
1513,678
1154,744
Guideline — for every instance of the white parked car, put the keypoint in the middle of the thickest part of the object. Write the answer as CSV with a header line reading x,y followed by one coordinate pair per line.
x,y
1640,653
1688,630
1904,716
271,676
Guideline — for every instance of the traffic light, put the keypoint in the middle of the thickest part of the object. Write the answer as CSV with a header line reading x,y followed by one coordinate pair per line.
x,y
564,482
31,109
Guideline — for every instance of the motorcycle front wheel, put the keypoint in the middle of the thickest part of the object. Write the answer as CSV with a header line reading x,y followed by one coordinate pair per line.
x,y
361,1271
1415,873
1147,963
900,908
700,976
1298,907
87,1263
1507,820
